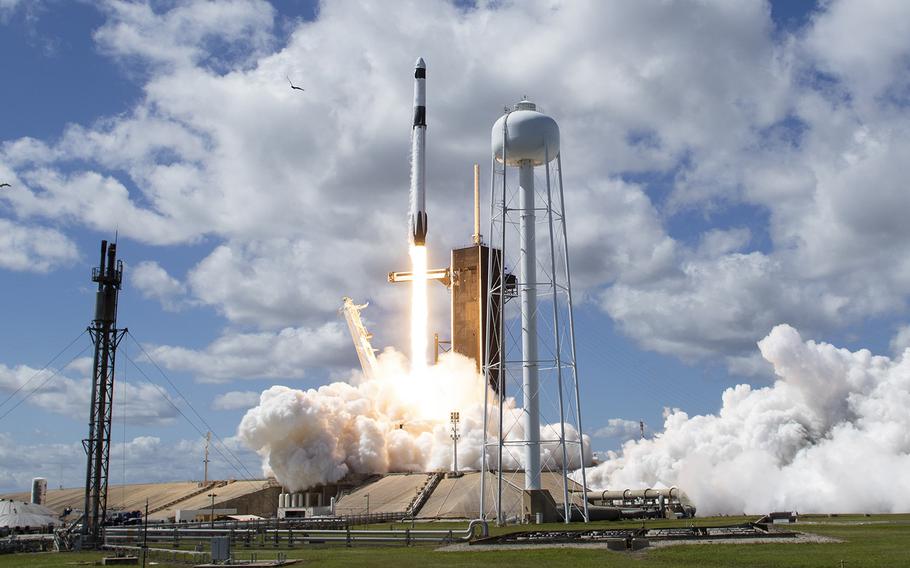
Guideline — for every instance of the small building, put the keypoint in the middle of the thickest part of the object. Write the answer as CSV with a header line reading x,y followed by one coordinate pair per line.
x,y
781,517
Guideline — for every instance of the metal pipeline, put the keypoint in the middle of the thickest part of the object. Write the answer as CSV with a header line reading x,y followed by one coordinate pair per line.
x,y
628,494
346,535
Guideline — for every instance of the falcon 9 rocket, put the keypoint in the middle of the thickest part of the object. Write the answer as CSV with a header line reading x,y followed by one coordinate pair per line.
x,y
418,209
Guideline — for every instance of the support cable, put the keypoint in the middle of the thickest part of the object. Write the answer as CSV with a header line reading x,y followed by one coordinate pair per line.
x,y
44,368
190,405
123,447
164,395
199,416
44,382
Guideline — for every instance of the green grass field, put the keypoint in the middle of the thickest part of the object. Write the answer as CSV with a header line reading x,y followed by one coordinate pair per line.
x,y
868,542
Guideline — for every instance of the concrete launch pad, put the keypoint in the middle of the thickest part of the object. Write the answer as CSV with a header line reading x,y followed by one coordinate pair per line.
x,y
459,497
390,494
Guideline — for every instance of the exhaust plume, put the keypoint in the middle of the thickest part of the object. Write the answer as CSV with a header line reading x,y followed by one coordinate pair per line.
x,y
419,311
832,434
395,422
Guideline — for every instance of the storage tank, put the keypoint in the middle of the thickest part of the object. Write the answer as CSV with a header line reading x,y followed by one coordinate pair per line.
x,y
531,136
39,490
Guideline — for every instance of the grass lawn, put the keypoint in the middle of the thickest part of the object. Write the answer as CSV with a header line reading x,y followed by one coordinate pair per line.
x,y
869,542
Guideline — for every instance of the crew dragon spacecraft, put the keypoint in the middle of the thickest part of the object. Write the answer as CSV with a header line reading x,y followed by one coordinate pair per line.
x,y
418,211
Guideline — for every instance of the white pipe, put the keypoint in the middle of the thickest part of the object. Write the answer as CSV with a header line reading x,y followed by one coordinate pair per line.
x,y
529,372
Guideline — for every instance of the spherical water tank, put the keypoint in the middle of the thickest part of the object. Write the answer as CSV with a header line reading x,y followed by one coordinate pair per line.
x,y
531,136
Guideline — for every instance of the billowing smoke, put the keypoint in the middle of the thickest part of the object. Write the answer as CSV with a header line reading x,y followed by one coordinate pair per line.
x,y
832,434
395,422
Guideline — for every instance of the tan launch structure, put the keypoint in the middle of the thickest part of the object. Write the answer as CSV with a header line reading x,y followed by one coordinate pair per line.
x,y
258,497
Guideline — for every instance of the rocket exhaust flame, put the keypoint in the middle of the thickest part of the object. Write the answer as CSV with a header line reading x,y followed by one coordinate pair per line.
x,y
419,313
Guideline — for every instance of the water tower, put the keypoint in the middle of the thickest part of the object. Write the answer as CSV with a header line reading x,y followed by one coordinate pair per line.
x,y
534,329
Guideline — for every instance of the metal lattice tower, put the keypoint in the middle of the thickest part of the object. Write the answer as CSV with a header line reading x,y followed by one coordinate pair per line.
x,y
105,337
534,322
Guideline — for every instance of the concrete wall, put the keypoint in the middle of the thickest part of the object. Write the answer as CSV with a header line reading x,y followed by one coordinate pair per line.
x,y
263,503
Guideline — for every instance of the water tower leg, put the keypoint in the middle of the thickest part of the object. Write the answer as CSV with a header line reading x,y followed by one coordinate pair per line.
x,y
530,386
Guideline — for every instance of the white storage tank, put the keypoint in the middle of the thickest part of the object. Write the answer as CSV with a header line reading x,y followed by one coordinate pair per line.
x,y
39,490
531,136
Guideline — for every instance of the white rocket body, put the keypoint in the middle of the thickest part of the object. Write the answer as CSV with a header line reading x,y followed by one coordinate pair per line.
x,y
418,210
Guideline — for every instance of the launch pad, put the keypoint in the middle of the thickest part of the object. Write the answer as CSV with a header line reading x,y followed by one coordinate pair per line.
x,y
495,312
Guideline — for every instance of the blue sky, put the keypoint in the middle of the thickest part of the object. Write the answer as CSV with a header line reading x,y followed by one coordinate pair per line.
x,y
712,156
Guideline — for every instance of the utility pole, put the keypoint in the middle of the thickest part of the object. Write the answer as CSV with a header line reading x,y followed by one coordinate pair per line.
x,y
106,337
213,495
641,428
145,533
455,418
205,461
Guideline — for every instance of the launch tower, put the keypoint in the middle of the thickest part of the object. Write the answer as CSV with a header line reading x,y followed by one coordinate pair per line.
x,y
105,337
470,272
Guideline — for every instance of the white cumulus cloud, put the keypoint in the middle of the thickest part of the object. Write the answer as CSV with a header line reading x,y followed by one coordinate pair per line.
x,y
154,282
235,400
33,248
619,428
674,119
287,354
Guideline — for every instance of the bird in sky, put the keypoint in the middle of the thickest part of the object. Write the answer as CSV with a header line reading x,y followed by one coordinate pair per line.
x,y
293,86
5,185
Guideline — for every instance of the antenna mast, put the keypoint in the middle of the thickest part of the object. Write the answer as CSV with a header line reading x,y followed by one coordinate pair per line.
x,y
454,419
205,462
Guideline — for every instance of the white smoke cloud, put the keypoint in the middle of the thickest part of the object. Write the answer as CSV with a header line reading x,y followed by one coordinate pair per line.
x,y
830,435
395,422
